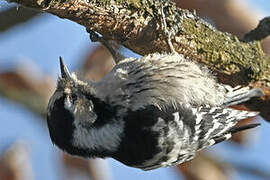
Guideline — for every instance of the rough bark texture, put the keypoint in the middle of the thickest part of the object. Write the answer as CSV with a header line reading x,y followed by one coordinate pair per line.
x,y
136,25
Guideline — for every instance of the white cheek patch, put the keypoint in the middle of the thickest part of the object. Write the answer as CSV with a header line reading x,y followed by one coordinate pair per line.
x,y
107,137
68,104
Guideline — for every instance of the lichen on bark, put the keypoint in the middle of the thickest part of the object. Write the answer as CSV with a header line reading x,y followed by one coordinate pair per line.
x,y
136,25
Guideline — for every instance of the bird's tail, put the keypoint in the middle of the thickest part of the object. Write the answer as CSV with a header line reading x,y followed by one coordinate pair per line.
x,y
234,130
239,95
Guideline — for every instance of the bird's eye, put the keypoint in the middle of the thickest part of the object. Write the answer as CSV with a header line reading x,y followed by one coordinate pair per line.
x,y
73,97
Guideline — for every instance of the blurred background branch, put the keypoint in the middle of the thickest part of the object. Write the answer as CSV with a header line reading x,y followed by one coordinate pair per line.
x,y
14,16
15,162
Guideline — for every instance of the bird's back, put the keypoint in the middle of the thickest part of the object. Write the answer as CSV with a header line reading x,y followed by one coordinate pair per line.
x,y
160,79
172,104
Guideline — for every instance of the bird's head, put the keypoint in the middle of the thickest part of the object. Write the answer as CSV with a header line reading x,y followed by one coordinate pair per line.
x,y
70,107
79,122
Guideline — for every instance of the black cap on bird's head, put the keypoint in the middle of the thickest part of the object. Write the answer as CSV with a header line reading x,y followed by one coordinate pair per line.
x,y
60,114
57,115
64,70
70,110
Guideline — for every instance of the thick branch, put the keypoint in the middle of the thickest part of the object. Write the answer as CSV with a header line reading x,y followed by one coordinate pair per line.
x,y
135,24
20,88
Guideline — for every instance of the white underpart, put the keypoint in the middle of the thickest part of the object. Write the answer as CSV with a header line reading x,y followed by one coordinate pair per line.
x,y
107,137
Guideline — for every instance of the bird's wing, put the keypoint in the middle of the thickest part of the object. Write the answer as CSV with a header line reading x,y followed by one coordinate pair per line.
x,y
211,125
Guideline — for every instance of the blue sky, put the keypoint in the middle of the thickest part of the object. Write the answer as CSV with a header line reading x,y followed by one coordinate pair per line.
x,y
41,42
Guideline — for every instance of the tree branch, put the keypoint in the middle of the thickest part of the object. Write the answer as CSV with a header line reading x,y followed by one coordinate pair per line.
x,y
136,25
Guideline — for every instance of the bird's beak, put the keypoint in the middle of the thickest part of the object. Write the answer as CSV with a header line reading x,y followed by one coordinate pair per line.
x,y
64,70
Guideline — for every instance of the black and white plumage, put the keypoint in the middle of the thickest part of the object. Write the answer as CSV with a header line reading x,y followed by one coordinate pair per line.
x,y
151,112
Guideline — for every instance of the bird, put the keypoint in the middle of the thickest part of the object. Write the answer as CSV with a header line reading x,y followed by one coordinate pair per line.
x,y
150,112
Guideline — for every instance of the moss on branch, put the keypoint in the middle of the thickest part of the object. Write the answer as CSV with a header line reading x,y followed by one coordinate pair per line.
x,y
136,25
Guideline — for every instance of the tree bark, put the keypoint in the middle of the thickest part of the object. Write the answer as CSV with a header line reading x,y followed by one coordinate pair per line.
x,y
136,25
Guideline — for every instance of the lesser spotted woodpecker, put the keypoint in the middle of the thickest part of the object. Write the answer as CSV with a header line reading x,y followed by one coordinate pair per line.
x,y
151,112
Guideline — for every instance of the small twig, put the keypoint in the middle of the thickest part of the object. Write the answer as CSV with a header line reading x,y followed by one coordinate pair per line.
x,y
166,31
116,54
